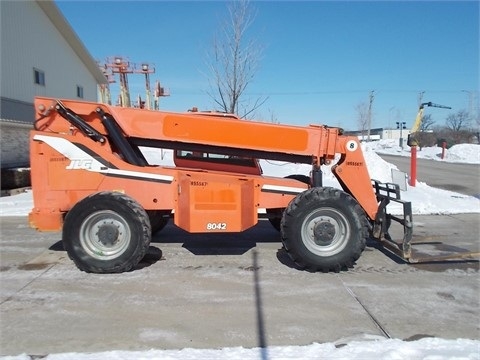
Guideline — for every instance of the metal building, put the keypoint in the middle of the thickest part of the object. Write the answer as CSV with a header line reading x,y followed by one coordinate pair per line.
x,y
41,55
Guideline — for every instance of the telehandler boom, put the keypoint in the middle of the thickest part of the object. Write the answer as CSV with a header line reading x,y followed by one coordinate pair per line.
x,y
91,180
412,139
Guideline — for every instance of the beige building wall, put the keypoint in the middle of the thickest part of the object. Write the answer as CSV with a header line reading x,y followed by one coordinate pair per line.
x,y
41,56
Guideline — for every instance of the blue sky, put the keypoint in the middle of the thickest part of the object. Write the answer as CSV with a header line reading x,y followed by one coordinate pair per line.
x,y
320,60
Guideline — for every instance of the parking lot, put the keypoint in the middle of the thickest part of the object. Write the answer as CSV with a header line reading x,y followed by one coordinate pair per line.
x,y
214,291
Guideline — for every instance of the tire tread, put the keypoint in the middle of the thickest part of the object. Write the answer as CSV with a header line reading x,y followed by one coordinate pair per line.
x,y
291,244
140,215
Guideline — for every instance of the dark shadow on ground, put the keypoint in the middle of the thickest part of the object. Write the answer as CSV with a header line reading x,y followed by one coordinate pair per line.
x,y
153,255
218,243
58,246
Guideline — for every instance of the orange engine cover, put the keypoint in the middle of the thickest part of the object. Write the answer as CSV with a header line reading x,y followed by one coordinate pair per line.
x,y
215,204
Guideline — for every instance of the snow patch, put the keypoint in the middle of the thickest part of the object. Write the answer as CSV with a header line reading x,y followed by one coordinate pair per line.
x,y
368,348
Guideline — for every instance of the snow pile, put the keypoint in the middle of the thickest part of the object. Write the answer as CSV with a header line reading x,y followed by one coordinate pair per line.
x,y
387,146
391,349
425,199
378,168
461,153
16,205
466,153
156,156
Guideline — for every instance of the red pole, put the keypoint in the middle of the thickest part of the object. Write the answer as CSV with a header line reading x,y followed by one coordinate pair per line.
x,y
444,145
413,166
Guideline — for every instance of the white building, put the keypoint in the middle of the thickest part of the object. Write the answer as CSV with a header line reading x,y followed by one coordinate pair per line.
x,y
41,55
381,133
394,133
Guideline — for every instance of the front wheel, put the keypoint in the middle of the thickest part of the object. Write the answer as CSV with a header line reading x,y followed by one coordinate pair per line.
x,y
324,229
107,232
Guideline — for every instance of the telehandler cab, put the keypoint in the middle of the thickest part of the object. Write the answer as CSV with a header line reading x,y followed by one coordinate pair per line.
x,y
91,180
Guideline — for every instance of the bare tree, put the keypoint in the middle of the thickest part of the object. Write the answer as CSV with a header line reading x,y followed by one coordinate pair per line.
x,y
234,62
424,136
427,122
459,121
362,110
272,117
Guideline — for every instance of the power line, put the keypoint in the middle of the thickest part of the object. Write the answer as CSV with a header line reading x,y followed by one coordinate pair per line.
x,y
327,92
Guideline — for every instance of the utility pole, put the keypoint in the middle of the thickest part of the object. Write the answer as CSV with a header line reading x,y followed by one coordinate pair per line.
x,y
370,114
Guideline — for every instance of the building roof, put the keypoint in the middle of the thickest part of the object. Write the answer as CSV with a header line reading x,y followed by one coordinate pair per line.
x,y
62,25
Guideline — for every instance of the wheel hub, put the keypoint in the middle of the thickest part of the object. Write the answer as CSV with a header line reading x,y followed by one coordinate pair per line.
x,y
323,233
105,235
108,234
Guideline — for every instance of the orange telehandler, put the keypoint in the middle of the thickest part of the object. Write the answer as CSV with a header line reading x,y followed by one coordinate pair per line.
x,y
91,180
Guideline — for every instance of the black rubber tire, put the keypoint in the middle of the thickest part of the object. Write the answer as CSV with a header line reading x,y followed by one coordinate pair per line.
x,y
277,213
324,229
106,232
158,219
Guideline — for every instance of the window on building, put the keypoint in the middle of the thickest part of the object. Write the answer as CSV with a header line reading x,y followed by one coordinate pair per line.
x,y
80,91
39,77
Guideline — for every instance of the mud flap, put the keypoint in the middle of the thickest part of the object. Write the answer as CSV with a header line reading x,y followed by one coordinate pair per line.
x,y
386,193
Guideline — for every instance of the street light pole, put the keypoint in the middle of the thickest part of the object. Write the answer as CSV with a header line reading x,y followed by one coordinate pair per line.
x,y
401,126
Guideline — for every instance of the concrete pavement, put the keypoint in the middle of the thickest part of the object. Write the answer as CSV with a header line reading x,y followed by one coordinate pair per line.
x,y
213,291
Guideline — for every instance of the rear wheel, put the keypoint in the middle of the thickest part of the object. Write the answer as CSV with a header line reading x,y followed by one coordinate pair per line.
x,y
106,232
324,229
158,219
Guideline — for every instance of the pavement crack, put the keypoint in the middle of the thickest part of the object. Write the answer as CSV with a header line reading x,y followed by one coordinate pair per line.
x,y
370,315
27,284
